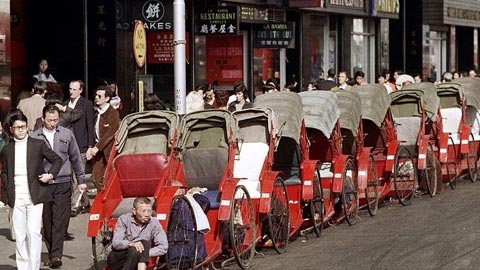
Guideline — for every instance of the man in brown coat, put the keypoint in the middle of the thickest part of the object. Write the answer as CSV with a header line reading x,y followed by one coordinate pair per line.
x,y
106,122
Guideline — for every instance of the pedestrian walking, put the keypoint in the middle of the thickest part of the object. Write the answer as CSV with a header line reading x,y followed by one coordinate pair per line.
x,y
27,188
107,122
56,214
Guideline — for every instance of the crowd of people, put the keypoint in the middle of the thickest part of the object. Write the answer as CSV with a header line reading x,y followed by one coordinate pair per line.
x,y
392,81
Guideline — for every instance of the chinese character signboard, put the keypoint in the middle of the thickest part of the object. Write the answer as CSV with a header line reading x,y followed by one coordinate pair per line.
x,y
224,59
160,47
274,35
157,15
218,21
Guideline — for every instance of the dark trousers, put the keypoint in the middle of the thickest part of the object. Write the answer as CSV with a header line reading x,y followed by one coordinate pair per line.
x,y
56,215
128,259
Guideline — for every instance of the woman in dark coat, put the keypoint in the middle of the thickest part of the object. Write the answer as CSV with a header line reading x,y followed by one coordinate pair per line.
x,y
240,91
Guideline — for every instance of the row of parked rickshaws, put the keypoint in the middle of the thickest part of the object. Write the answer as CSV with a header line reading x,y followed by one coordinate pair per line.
x,y
292,165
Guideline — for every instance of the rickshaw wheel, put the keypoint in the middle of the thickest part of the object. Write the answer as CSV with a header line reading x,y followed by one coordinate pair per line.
x,y
242,227
316,205
404,176
430,173
371,191
350,193
182,235
279,217
452,181
472,159
101,247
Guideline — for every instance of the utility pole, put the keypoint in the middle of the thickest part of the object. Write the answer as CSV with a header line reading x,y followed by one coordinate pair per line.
x,y
179,49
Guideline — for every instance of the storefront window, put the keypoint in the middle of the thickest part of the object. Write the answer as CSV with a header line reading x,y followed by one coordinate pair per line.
x,y
363,46
319,48
5,73
434,54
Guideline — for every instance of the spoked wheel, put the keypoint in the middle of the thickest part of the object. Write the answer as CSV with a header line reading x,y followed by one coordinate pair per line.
x,y
279,217
472,159
182,235
452,172
101,247
242,227
429,175
371,191
350,193
404,176
316,205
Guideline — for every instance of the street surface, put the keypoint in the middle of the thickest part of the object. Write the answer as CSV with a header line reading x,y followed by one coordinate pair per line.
x,y
433,233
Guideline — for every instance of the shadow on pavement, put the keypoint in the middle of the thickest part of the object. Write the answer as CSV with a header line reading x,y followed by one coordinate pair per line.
x,y
5,233
7,267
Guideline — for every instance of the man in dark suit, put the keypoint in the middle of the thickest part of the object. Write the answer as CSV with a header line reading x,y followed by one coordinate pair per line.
x,y
27,188
329,83
84,134
107,122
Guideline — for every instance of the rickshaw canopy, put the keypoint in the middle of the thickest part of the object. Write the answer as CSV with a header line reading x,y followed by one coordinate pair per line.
x,y
450,94
287,107
407,103
429,95
321,110
375,102
206,129
350,106
146,132
471,89
255,124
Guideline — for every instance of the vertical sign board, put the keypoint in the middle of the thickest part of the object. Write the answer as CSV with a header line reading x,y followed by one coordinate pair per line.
x,y
139,44
160,47
224,59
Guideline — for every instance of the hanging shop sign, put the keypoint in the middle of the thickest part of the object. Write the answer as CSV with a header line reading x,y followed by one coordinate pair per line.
x,y
139,44
224,59
217,21
355,4
161,49
274,35
384,8
157,15
306,3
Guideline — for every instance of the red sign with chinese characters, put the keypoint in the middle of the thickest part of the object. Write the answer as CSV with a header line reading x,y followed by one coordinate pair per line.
x,y
160,47
224,59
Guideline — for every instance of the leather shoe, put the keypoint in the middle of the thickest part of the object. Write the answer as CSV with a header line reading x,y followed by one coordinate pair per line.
x,y
84,209
74,212
55,263
69,237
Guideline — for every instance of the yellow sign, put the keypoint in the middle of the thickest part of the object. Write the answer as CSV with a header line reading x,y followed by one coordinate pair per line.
x,y
139,44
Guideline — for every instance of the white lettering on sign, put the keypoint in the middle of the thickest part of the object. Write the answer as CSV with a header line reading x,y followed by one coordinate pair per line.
x,y
347,3
153,11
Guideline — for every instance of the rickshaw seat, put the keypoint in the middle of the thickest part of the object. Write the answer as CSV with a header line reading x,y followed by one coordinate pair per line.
x,y
204,167
408,129
139,174
451,122
248,166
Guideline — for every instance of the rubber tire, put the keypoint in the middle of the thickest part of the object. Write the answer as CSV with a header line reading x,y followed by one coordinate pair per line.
x,y
472,154
174,230
452,180
372,187
243,250
430,172
404,195
279,217
100,247
349,195
316,205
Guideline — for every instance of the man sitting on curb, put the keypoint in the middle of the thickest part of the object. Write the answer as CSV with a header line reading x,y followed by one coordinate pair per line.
x,y
133,236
